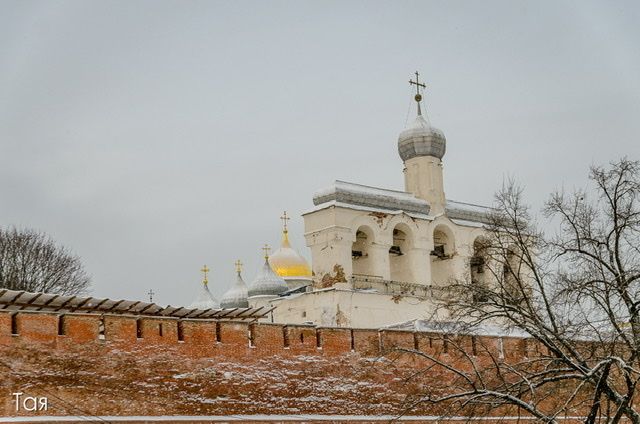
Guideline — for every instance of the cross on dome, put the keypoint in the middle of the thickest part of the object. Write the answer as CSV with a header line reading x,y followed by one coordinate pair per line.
x,y
205,300
285,261
418,96
266,250
284,219
205,270
238,266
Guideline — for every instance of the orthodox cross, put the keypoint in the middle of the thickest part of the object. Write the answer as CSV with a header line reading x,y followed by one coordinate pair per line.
x,y
238,266
418,96
284,219
205,270
266,249
151,293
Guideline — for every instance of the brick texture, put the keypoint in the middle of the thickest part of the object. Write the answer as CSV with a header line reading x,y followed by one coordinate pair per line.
x,y
134,366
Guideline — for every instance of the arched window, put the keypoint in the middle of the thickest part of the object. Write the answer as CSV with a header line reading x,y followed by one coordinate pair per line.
x,y
511,277
360,251
478,269
443,249
442,243
399,254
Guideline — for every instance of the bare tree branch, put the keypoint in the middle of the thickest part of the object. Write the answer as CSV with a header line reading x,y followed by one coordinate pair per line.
x,y
574,290
31,261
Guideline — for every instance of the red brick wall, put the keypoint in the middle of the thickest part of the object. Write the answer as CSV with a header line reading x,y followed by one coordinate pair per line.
x,y
367,342
128,365
38,327
302,339
335,341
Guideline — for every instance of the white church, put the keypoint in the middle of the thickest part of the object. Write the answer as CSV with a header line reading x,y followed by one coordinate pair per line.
x,y
379,256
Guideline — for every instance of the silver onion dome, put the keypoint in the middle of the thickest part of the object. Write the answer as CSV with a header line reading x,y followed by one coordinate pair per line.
x,y
421,139
267,282
205,299
237,295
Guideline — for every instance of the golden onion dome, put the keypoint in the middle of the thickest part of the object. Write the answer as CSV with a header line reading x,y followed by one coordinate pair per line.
x,y
288,263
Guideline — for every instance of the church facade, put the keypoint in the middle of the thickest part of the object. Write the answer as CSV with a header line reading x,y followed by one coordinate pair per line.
x,y
383,256
379,257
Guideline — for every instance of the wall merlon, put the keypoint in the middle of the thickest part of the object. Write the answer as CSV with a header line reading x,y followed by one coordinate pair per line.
x,y
302,338
37,327
268,339
5,324
335,341
158,330
120,329
80,328
198,332
366,342
233,337
514,348
208,338
487,345
396,339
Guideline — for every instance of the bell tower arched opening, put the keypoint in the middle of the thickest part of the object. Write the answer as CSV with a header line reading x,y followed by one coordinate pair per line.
x,y
361,251
478,269
511,276
443,251
401,268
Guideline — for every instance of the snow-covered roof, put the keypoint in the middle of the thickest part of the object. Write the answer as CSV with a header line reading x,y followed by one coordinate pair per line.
x,y
365,209
467,212
373,197
12,300
456,327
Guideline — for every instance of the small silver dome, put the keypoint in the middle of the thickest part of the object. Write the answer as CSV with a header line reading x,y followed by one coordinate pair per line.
x,y
205,300
267,282
236,296
421,139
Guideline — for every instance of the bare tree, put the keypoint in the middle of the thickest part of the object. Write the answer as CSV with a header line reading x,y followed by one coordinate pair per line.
x,y
31,261
574,289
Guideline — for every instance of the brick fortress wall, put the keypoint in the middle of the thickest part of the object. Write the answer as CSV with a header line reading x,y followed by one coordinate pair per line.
x,y
128,365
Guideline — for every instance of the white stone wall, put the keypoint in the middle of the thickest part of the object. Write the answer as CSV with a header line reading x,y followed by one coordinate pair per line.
x,y
331,234
337,307
423,177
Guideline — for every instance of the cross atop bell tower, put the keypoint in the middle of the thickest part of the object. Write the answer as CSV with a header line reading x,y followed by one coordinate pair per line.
x,y
419,85
421,148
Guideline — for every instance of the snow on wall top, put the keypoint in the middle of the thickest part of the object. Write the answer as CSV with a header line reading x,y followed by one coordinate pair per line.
x,y
374,197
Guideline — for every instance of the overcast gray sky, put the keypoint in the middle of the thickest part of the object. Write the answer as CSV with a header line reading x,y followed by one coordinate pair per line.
x,y
152,137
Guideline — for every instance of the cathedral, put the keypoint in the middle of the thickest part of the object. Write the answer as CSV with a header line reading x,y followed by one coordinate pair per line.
x,y
379,257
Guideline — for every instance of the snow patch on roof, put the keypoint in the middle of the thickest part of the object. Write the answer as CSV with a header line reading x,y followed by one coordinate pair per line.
x,y
374,197
366,209
468,212
456,327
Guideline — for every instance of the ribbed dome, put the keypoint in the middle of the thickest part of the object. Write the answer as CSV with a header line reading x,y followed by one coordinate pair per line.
x,y
286,262
205,299
421,139
267,282
236,296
